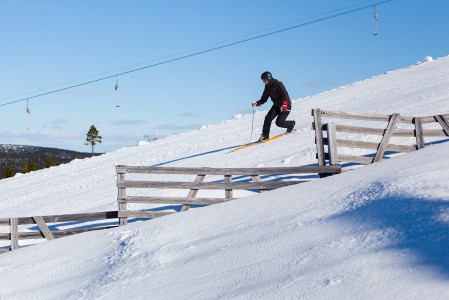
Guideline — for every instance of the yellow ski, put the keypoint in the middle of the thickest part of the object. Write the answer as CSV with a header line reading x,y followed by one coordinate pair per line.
x,y
255,143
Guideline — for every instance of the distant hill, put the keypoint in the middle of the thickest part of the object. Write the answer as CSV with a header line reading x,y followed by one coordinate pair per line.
x,y
21,158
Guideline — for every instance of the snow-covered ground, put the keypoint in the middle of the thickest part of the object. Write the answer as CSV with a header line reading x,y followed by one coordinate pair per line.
x,y
379,232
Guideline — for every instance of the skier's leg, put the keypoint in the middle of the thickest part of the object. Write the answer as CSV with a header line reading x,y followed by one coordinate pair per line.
x,y
282,117
272,113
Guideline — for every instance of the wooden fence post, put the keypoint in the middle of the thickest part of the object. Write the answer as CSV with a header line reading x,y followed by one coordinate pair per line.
x,y
43,228
386,137
332,144
256,178
14,225
319,136
419,133
444,123
192,193
228,192
123,220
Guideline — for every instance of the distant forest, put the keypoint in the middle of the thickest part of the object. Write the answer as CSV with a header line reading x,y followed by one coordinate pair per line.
x,y
23,159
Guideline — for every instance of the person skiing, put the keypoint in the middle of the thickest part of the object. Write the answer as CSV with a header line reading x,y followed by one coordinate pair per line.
x,y
281,108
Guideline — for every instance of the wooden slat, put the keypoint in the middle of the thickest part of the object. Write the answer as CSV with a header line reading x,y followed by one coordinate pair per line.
x,y
419,133
444,124
5,250
332,144
431,119
319,136
5,236
43,228
71,217
206,185
377,131
4,221
363,116
386,138
14,225
60,233
256,178
144,214
374,146
228,192
121,193
172,200
192,193
227,171
355,159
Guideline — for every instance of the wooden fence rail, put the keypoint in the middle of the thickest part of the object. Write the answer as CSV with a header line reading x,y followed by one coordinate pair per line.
x,y
326,135
227,185
44,231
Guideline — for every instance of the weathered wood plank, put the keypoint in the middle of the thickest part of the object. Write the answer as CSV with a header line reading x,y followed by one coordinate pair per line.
x,y
355,159
206,185
227,171
374,146
419,133
4,221
71,217
363,116
14,225
431,119
43,228
144,214
60,233
380,132
172,200
228,192
4,250
443,123
121,193
332,144
319,136
193,193
386,138
256,178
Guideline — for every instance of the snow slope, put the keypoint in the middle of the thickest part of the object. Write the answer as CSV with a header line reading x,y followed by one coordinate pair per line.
x,y
376,232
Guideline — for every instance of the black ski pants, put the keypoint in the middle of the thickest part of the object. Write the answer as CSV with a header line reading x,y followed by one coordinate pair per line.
x,y
280,121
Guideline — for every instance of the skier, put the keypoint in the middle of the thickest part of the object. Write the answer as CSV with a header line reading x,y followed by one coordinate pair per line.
x,y
281,108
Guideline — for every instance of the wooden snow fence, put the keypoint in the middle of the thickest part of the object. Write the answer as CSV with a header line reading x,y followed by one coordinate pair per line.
x,y
226,184
328,142
45,232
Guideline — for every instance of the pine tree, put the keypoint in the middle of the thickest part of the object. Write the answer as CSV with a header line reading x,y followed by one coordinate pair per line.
x,y
25,167
92,138
49,161
9,172
31,166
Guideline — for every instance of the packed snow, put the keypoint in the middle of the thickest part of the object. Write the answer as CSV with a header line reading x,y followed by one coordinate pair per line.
x,y
378,232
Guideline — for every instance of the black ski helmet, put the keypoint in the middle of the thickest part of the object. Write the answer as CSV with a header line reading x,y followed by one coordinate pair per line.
x,y
266,76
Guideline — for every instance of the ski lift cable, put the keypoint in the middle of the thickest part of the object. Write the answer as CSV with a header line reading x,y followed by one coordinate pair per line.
x,y
321,19
187,51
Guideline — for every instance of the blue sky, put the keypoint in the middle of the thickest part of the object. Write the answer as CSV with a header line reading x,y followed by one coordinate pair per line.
x,y
59,43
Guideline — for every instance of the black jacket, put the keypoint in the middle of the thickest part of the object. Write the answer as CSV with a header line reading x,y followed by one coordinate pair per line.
x,y
277,92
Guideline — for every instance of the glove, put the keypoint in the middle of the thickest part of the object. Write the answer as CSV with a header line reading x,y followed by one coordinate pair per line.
x,y
257,103
284,106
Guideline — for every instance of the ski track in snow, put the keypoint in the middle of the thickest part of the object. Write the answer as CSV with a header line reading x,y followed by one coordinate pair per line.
x,y
379,232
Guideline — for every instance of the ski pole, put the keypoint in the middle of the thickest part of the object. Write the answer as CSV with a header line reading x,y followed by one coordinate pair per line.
x,y
252,125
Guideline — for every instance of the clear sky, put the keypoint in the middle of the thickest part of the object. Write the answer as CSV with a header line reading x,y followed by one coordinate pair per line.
x,y
56,43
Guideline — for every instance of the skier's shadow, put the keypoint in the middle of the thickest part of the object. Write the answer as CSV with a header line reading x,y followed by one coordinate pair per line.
x,y
196,155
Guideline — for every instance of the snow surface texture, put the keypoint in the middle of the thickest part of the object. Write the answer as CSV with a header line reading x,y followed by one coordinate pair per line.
x,y
379,232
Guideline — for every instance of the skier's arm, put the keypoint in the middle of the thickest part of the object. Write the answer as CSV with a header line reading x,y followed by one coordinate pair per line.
x,y
284,93
265,96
